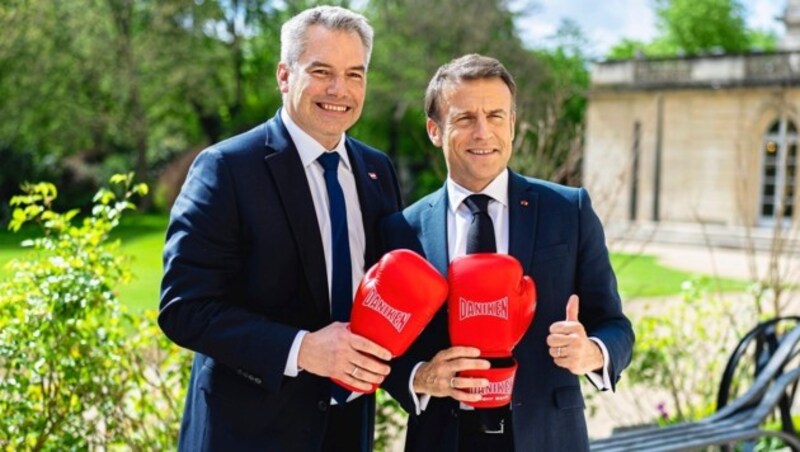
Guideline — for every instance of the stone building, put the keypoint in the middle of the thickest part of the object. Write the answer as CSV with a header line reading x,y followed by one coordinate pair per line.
x,y
698,148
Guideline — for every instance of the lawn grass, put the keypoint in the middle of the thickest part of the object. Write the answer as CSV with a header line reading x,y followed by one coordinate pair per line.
x,y
142,237
640,275
10,244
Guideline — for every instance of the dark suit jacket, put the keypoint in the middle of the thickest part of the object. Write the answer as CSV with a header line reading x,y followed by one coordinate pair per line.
x,y
244,271
559,241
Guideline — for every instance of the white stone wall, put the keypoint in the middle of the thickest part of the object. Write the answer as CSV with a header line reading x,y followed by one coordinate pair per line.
x,y
711,154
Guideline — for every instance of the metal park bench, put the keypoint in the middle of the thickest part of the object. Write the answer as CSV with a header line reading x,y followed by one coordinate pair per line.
x,y
774,348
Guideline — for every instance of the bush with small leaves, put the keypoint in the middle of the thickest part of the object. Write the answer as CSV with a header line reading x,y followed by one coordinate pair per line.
x,y
683,348
390,420
76,370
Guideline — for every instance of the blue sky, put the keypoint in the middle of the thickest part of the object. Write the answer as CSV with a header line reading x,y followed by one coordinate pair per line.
x,y
606,22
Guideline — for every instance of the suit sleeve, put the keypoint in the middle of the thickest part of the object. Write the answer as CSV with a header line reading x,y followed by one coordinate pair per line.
x,y
199,309
601,308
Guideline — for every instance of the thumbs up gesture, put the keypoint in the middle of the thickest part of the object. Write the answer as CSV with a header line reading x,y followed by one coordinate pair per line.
x,y
569,345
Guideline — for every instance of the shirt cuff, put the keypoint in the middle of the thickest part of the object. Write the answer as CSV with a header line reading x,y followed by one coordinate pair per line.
x,y
601,381
292,370
421,400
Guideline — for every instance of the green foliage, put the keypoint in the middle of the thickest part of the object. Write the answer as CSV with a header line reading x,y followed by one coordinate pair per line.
x,y
678,347
95,86
698,26
76,370
390,419
631,48
761,40
551,147
692,27
767,443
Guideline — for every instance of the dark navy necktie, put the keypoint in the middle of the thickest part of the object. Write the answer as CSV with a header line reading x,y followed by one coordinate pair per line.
x,y
341,273
480,237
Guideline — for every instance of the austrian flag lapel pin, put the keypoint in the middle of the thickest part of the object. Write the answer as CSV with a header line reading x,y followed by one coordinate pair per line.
x,y
372,175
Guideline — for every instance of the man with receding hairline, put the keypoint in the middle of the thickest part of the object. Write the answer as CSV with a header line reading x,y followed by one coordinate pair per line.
x,y
270,235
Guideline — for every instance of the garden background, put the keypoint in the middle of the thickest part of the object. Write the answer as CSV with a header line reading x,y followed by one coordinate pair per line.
x,y
110,100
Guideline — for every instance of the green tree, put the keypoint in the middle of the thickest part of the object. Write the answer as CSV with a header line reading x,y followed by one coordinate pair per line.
x,y
697,26
94,87
693,27
70,82
551,148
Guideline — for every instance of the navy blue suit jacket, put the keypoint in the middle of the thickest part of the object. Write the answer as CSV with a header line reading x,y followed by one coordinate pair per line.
x,y
558,239
244,271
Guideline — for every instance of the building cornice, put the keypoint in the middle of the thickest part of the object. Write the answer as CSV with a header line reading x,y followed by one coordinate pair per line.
x,y
729,71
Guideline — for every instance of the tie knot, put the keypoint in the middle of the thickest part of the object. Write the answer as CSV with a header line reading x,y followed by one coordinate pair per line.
x,y
329,161
477,203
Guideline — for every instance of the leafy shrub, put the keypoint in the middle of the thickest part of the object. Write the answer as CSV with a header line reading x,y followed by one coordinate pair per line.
x,y
683,348
76,370
390,419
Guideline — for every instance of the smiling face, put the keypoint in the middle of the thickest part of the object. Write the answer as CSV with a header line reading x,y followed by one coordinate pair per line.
x,y
476,130
324,91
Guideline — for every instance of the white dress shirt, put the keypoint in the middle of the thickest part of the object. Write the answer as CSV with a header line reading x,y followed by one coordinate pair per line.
x,y
309,150
459,219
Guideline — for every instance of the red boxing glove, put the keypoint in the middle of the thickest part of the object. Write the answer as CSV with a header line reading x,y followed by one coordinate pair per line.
x,y
491,305
395,300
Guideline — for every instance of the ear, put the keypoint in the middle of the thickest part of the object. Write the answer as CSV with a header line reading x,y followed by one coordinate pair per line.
x,y
434,132
282,74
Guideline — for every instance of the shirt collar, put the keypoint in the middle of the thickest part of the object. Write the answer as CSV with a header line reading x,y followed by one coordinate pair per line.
x,y
309,148
497,190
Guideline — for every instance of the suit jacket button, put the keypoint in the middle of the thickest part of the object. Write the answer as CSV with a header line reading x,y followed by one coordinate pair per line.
x,y
257,380
322,405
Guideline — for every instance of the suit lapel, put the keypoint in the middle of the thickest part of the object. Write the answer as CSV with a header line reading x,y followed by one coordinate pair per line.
x,y
368,196
284,164
434,231
522,212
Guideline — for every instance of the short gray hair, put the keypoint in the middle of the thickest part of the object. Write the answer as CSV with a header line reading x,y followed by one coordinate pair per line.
x,y
294,36
465,68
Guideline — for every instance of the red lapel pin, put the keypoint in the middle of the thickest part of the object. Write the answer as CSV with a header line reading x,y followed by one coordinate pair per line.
x,y
524,203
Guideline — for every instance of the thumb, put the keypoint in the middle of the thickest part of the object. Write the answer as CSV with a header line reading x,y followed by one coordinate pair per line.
x,y
573,307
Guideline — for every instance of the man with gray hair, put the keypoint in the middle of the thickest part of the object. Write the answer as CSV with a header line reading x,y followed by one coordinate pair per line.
x,y
267,240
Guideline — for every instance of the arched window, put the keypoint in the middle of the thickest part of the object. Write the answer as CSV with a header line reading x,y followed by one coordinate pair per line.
x,y
779,172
